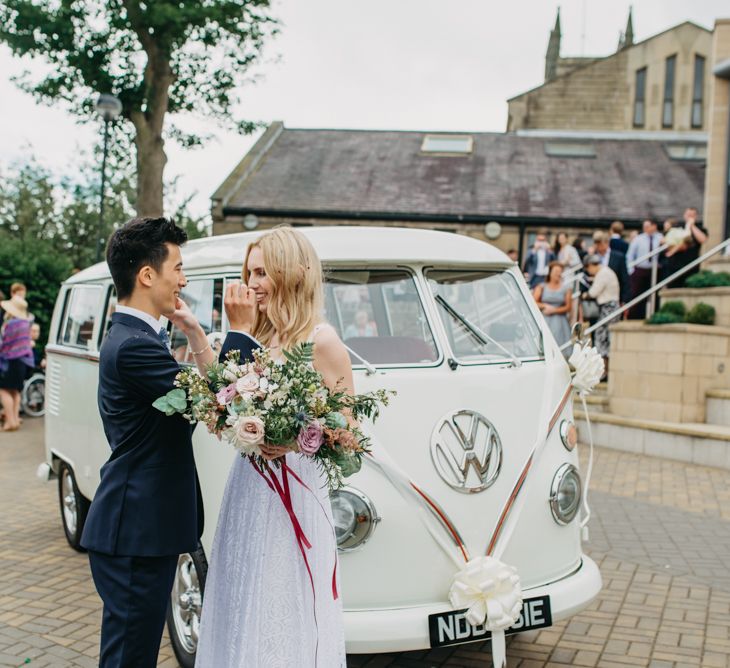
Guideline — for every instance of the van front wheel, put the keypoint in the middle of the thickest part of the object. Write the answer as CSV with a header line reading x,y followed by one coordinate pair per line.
x,y
74,506
186,603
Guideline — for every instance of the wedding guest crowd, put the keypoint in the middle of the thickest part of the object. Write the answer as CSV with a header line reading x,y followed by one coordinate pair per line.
x,y
615,270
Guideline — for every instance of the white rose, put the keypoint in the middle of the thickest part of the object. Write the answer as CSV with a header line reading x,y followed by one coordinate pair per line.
x,y
248,384
248,434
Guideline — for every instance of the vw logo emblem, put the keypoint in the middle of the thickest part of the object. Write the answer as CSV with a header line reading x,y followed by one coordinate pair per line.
x,y
466,451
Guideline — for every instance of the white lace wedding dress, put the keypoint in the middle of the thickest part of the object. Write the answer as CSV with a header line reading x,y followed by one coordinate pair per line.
x,y
259,607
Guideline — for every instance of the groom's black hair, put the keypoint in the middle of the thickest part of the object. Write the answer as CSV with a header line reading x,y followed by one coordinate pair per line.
x,y
138,243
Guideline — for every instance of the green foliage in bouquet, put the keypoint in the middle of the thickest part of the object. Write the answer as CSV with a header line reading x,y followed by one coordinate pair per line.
x,y
708,279
287,399
175,401
701,314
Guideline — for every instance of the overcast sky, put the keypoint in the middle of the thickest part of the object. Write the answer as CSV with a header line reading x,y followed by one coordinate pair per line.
x,y
375,64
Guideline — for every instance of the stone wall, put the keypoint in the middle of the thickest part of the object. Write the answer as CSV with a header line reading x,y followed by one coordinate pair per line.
x,y
716,176
719,298
662,372
600,95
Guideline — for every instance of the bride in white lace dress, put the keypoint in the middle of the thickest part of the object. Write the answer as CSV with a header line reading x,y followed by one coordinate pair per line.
x,y
261,610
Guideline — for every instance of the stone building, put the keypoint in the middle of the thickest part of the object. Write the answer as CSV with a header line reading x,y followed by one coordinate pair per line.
x,y
457,182
659,84
717,182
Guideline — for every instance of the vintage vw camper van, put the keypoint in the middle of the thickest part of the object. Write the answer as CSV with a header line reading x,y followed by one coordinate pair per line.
x,y
448,323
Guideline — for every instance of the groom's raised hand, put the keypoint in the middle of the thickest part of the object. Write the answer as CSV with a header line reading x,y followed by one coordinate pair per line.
x,y
183,318
240,305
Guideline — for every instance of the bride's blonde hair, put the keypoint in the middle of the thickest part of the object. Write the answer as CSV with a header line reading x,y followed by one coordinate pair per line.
x,y
296,301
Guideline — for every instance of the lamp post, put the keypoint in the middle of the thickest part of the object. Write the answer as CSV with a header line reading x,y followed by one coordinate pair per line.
x,y
108,107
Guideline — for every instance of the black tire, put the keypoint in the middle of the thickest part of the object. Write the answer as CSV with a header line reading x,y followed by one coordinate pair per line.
x,y
33,399
186,602
73,505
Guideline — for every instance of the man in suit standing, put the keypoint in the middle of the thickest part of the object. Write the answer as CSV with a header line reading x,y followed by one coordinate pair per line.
x,y
538,259
617,242
640,275
614,260
147,509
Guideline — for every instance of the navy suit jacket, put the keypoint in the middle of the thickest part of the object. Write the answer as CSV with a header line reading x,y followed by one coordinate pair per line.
x,y
148,503
617,262
531,266
620,245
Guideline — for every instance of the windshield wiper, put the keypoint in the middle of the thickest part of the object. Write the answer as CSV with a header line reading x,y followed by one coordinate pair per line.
x,y
479,334
369,368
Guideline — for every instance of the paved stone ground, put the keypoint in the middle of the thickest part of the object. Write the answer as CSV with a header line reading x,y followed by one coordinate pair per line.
x,y
660,534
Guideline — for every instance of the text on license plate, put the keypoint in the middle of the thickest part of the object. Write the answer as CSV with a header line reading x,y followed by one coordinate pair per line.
x,y
451,628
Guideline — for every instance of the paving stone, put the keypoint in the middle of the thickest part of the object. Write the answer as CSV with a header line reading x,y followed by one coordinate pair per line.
x,y
660,534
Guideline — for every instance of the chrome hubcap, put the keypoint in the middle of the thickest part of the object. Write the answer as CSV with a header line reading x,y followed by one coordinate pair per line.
x,y
69,502
187,603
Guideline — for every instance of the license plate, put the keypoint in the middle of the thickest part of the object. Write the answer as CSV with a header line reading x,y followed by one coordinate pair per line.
x,y
451,628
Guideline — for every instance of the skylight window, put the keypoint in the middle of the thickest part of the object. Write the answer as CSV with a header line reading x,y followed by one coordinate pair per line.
x,y
570,149
686,151
448,144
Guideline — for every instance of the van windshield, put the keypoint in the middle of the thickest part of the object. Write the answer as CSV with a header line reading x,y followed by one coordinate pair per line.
x,y
493,303
379,315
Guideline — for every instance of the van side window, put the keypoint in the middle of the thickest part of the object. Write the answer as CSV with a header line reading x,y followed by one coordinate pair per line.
x,y
80,314
111,305
204,296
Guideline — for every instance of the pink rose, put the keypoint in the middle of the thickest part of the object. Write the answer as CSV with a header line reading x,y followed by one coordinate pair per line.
x,y
310,438
248,384
226,394
249,433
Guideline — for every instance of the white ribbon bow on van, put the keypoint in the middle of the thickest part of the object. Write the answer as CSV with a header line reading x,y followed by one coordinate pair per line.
x,y
491,592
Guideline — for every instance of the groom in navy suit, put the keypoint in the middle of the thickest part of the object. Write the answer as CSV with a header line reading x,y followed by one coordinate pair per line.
x,y
147,509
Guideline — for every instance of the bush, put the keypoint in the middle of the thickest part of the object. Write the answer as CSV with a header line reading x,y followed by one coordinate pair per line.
x,y
665,318
677,308
709,279
701,314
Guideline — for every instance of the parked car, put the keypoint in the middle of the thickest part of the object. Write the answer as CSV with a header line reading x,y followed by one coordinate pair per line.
x,y
446,321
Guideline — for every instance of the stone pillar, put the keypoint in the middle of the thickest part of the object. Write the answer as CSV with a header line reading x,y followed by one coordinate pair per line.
x,y
716,177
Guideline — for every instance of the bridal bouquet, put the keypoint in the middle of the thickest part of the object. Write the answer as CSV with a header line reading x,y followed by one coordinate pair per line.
x,y
278,402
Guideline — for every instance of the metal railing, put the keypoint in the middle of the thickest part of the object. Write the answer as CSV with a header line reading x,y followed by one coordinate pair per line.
x,y
653,290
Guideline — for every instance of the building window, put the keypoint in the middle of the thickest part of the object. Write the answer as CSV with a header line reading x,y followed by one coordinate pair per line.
x,y
699,86
639,98
448,144
668,106
686,151
570,149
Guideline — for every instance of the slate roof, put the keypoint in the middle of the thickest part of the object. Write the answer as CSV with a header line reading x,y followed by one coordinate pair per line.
x,y
507,176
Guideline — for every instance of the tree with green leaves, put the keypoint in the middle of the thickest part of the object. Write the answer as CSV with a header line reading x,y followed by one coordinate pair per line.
x,y
48,227
158,57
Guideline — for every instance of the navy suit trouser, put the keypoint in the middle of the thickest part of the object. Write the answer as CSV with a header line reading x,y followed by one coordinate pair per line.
x,y
135,592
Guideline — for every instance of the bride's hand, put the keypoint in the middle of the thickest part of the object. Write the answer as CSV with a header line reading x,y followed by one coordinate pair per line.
x,y
240,304
270,452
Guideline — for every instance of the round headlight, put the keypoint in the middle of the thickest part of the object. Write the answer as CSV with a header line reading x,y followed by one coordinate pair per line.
x,y
565,494
568,434
354,516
